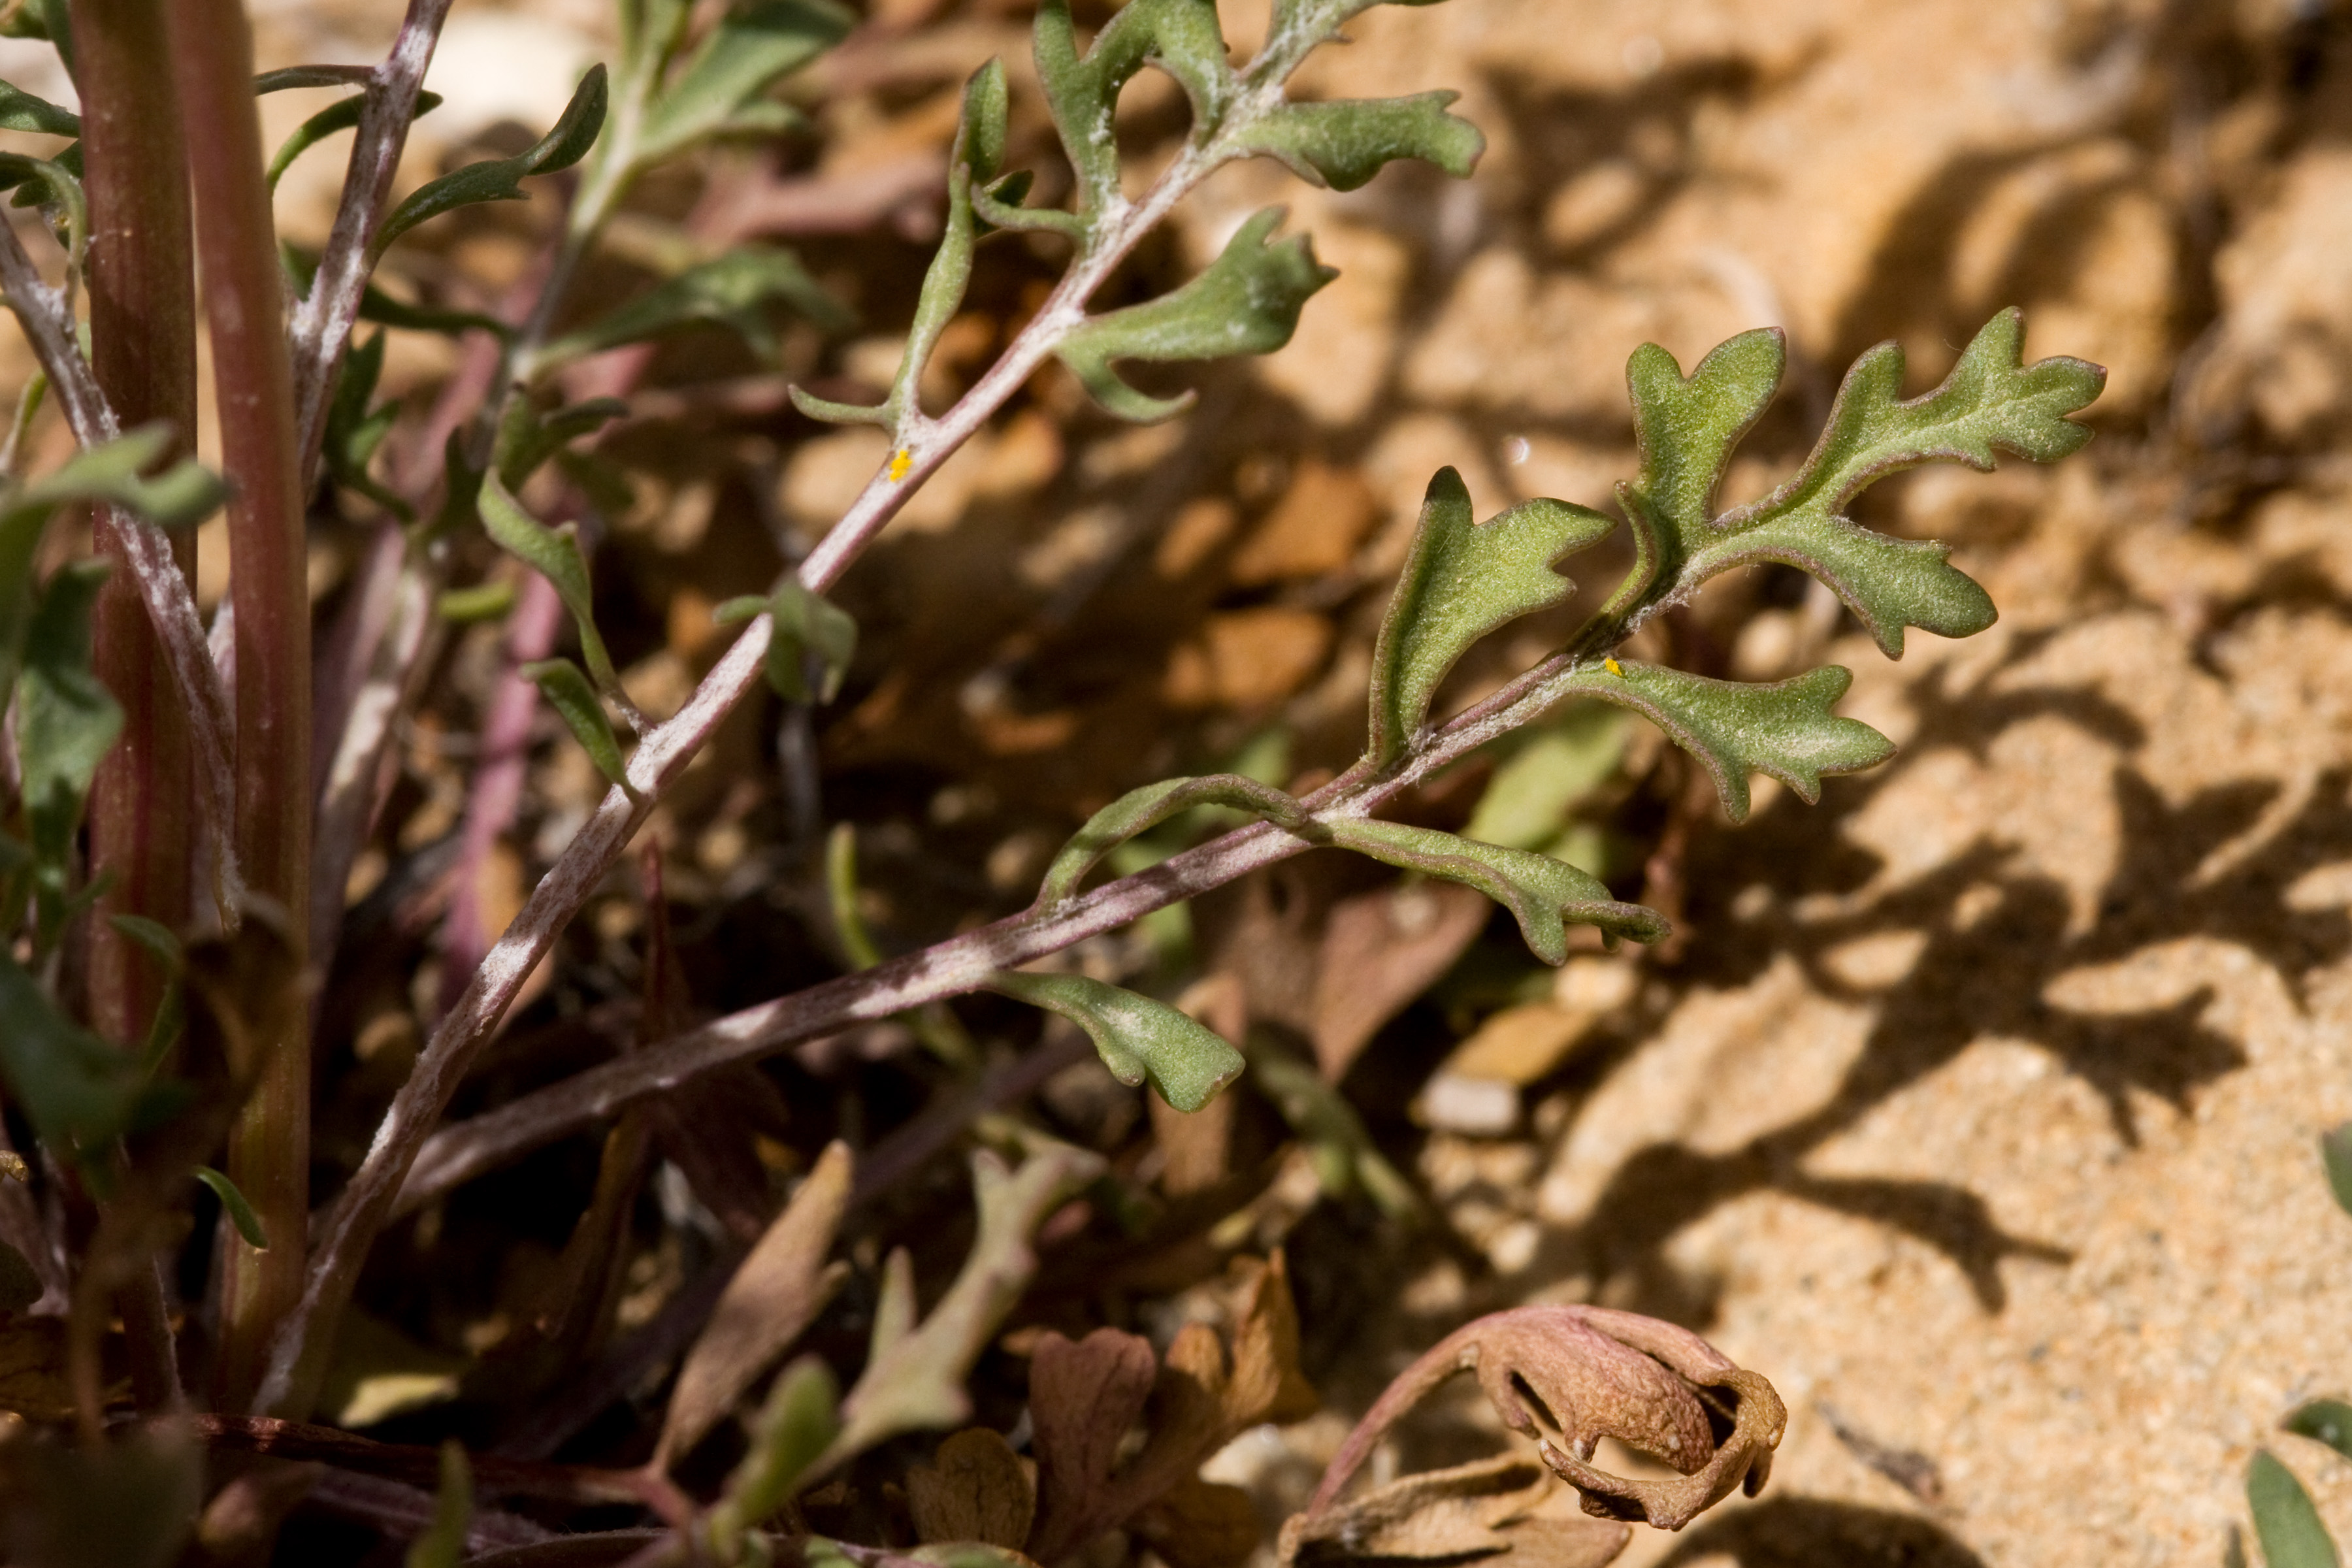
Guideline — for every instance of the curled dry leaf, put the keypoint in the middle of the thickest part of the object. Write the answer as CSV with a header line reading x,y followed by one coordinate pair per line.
x,y
1594,1372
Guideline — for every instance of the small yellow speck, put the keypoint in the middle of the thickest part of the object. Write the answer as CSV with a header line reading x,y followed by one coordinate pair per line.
x,y
901,461
1613,667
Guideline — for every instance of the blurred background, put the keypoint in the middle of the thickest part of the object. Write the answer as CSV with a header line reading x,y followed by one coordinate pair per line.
x,y
1974,1106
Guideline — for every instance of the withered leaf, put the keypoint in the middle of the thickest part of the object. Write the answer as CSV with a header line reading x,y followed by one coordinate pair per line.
x,y
780,1288
1594,1372
1200,1524
975,1489
1084,1397
1266,1383
1436,1513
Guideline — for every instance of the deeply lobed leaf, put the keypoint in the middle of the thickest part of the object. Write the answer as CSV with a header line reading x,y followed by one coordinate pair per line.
x,y
718,90
1544,895
1991,403
1462,580
1785,730
1246,302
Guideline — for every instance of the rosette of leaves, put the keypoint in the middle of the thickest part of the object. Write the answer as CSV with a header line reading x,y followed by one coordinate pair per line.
x,y
1464,579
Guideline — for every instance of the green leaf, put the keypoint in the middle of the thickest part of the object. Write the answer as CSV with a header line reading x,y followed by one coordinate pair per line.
x,y
2335,1154
501,179
1141,810
1247,303
20,111
981,129
2328,1421
1344,143
735,290
798,1423
1686,428
232,1204
78,1091
1461,581
482,602
1525,804
1990,404
340,115
355,431
2285,1519
529,437
286,77
1344,1153
575,700
1139,1039
1785,730
381,308
1181,37
554,553
180,496
717,93
443,1543
1544,895
155,937
805,623
62,181
66,719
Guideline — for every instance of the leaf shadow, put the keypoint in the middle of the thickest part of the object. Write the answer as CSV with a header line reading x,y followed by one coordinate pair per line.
x,y
1808,1532
1995,935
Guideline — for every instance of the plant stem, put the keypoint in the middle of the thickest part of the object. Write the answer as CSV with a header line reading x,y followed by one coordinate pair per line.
x,y
297,1357
269,1150
963,963
142,328
321,329
147,554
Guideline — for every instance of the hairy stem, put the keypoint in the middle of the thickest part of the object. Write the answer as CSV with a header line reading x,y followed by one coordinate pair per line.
x,y
322,327
269,1150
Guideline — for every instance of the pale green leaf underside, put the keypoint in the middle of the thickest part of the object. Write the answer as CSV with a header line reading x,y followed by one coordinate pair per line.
x,y
1246,302
1139,1039
1461,581
718,89
1141,810
1344,143
1786,730
805,624
2284,1517
1544,895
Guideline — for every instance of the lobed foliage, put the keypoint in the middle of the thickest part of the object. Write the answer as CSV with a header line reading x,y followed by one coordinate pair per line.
x,y
94,1102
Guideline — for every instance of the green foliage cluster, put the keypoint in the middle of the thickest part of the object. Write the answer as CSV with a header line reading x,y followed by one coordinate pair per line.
x,y
1465,579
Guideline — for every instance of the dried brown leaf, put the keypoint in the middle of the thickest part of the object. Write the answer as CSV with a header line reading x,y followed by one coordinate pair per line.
x,y
780,1288
976,1489
1084,1397
1379,951
1542,1542
1200,1524
1266,1384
